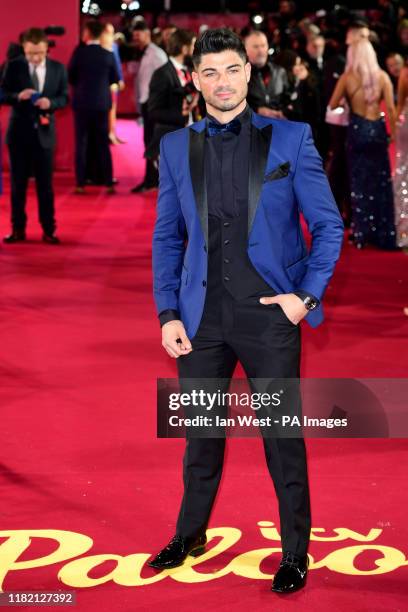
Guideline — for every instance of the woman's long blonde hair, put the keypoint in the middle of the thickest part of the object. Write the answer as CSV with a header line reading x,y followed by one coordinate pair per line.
x,y
362,59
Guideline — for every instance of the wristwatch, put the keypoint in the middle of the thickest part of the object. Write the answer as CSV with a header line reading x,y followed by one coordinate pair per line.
x,y
310,303
308,300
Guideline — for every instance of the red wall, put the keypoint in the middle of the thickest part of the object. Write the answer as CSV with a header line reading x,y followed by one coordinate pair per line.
x,y
18,16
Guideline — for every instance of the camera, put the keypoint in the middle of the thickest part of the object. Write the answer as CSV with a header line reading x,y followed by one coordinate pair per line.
x,y
35,96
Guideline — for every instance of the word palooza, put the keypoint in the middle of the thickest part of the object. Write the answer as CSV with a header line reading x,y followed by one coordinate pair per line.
x,y
72,548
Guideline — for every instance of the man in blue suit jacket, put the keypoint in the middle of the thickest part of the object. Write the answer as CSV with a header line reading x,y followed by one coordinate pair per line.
x,y
233,277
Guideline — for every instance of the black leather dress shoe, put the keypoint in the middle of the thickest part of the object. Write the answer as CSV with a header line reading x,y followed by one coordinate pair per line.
x,y
15,236
143,188
51,238
291,574
138,189
177,550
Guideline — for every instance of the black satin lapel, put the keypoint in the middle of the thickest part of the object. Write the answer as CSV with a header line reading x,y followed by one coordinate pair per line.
x,y
260,145
197,172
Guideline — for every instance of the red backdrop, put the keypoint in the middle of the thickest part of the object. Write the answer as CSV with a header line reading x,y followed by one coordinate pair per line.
x,y
18,16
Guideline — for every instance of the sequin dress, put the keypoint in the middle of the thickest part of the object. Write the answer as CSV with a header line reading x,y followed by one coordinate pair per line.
x,y
401,178
372,197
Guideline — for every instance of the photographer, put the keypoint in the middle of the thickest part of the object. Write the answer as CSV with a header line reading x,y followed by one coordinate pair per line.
x,y
172,95
35,86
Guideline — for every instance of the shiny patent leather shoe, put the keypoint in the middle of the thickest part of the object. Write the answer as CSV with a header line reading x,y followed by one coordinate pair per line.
x,y
51,238
292,573
175,553
15,236
143,188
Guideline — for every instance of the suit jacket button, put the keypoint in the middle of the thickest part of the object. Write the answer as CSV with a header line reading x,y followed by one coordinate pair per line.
x,y
226,241
226,278
226,260
204,283
226,224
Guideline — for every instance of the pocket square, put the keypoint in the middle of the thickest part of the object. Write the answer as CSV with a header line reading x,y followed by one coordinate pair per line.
x,y
278,172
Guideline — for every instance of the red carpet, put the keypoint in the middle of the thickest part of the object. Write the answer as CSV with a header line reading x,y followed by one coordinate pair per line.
x,y
81,467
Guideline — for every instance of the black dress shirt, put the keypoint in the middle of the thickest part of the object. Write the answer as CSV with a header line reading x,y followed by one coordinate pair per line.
x,y
226,161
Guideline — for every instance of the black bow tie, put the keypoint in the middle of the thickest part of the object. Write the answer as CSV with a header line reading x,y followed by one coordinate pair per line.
x,y
217,128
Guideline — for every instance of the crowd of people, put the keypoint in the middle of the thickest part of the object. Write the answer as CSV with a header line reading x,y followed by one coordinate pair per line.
x,y
339,75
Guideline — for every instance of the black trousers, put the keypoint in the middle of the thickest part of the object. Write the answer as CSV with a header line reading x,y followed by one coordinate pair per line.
x,y
268,346
92,125
26,158
151,177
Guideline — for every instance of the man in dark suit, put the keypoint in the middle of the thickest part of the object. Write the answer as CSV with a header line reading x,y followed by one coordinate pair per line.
x,y
91,72
152,58
269,86
172,96
233,277
35,86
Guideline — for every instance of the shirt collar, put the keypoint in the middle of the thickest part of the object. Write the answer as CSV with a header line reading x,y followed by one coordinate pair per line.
x,y
243,116
40,65
177,64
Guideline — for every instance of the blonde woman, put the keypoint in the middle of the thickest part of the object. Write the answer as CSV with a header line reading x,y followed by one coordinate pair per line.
x,y
365,86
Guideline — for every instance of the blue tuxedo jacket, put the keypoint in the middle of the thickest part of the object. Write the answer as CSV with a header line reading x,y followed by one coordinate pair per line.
x,y
286,178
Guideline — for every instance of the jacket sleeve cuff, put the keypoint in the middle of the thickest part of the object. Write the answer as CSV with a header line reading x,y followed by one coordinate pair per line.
x,y
168,315
304,294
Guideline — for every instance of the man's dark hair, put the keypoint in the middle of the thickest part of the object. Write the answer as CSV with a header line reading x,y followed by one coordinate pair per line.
x,y
140,26
95,28
177,40
216,41
35,36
